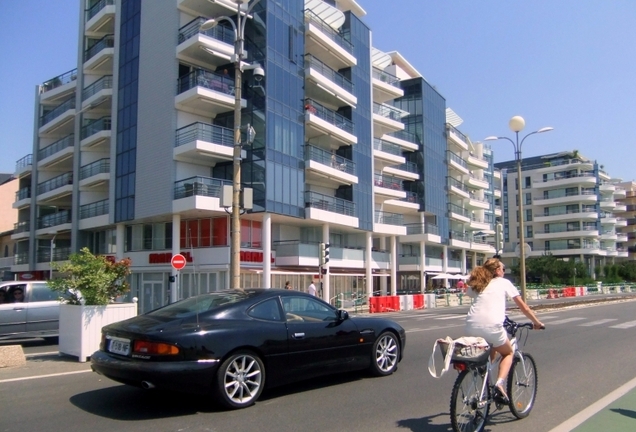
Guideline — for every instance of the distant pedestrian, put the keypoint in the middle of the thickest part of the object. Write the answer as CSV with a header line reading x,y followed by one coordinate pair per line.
x,y
311,289
288,285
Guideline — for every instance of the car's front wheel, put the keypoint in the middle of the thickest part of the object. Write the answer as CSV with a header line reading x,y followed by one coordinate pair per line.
x,y
385,354
240,380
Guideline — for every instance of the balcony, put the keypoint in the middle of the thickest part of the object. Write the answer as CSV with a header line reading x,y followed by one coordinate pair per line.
x,y
607,188
325,208
59,254
207,8
22,198
609,235
459,239
56,190
58,89
54,223
620,193
388,187
94,215
585,180
568,164
21,230
326,43
608,219
321,121
198,193
456,162
95,175
328,85
478,203
553,233
386,87
98,58
458,213
386,119
476,162
59,120
206,93
98,93
480,224
100,18
408,205
58,155
456,137
457,188
407,171
389,223
386,154
204,144
607,204
419,232
407,140
620,208
96,135
24,166
213,47
562,216
565,198
478,182
621,222
328,169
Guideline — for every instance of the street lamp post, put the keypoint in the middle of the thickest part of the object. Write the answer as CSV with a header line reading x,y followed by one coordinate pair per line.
x,y
516,124
237,58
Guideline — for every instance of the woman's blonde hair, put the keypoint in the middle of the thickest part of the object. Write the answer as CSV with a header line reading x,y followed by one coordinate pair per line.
x,y
481,276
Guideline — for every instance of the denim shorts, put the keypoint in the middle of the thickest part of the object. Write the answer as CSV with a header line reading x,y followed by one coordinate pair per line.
x,y
495,335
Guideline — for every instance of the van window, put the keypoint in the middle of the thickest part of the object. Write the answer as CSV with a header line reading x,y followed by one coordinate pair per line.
x,y
41,292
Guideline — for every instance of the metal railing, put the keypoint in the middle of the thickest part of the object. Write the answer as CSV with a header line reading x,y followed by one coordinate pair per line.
x,y
330,203
419,228
566,176
408,167
405,136
457,184
387,218
55,182
58,110
389,182
211,80
454,208
94,10
455,158
387,147
204,132
338,37
59,254
107,41
101,166
24,162
387,111
59,80
105,82
385,77
338,120
456,131
98,208
20,227
199,186
23,193
99,125
330,159
458,235
329,73
59,145
54,219
222,32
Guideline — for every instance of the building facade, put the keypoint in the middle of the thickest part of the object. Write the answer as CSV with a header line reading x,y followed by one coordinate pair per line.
x,y
627,234
571,207
351,147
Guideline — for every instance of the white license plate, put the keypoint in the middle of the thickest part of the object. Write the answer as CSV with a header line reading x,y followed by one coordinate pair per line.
x,y
119,346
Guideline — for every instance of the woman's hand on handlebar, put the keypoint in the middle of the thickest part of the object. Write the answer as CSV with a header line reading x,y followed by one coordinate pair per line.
x,y
538,326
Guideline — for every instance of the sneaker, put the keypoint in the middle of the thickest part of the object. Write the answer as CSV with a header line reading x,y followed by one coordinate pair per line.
x,y
500,396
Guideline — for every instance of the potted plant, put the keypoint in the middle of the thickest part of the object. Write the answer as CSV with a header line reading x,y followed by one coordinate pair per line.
x,y
90,285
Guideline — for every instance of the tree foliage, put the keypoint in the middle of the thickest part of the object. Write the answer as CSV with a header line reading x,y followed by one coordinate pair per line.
x,y
91,279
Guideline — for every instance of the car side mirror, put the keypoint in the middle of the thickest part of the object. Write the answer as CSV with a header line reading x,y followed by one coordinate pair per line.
x,y
342,315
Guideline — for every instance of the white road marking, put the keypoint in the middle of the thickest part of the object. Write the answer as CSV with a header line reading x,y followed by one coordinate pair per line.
x,y
450,317
566,320
44,376
598,322
625,325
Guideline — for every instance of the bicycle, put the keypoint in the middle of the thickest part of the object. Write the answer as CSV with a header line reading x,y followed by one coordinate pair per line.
x,y
473,391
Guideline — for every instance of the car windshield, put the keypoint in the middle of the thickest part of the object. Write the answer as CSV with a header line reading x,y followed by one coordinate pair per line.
x,y
199,304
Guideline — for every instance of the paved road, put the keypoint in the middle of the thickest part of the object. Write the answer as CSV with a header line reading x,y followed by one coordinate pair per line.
x,y
575,373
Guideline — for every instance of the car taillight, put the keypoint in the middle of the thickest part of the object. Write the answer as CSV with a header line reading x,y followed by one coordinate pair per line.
x,y
459,366
154,348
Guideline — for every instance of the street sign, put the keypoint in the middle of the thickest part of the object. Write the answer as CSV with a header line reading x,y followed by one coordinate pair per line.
x,y
178,261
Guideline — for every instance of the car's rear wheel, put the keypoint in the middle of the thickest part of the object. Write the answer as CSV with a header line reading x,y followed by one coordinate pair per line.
x,y
385,354
240,380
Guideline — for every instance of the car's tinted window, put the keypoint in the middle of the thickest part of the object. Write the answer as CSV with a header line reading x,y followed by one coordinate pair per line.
x,y
307,309
41,292
267,310
199,304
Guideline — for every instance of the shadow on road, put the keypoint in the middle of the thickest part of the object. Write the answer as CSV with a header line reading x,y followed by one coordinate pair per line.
x,y
431,423
625,412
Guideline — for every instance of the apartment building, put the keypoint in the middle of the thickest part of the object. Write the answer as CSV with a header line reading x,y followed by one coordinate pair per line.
x,y
348,145
627,234
571,207
8,216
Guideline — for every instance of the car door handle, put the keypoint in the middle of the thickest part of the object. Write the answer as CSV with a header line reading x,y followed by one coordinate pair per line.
x,y
299,335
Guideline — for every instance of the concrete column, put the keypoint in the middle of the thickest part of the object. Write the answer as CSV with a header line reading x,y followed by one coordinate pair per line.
x,y
423,266
394,280
326,292
367,263
445,263
383,282
120,238
267,251
463,261
176,248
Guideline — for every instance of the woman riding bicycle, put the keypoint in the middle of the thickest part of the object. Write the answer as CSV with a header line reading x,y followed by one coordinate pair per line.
x,y
488,289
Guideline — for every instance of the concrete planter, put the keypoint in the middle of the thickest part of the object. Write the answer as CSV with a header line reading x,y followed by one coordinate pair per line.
x,y
81,326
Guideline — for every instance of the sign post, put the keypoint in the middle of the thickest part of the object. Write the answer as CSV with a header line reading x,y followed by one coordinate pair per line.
x,y
178,262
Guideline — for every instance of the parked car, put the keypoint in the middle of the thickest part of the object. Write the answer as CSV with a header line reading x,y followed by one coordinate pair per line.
x,y
233,343
33,313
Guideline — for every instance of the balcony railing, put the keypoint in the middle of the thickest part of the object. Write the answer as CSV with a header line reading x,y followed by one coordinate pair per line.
x,y
385,77
410,197
330,159
94,10
59,80
55,182
98,208
455,158
406,136
387,147
204,132
566,176
59,254
101,124
199,186
58,110
211,80
222,32
21,258
107,41
458,235
328,115
454,208
456,131
67,141
105,82
24,162
388,182
387,218
341,39
23,193
54,219
101,166
457,184
327,72
20,227
387,111
425,228
408,167
329,203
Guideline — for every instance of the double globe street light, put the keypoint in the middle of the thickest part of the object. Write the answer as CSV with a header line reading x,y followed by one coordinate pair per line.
x,y
243,8
516,124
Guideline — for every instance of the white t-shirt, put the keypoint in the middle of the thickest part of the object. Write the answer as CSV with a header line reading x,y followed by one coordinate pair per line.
x,y
489,306
312,289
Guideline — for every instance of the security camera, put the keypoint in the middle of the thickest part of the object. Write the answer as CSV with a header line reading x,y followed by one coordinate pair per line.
x,y
259,73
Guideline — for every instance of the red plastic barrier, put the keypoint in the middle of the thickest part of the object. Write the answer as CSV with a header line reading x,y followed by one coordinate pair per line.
x,y
373,304
395,303
418,301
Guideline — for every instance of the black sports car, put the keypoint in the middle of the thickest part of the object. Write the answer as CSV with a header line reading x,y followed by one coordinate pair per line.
x,y
234,343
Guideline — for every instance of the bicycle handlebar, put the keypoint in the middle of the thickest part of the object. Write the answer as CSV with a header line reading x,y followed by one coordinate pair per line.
x,y
512,326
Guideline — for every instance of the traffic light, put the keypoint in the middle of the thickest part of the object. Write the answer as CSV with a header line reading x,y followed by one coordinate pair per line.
x,y
321,254
326,253
499,239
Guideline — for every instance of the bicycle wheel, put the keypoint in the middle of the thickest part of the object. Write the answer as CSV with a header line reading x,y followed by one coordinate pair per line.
x,y
522,385
469,408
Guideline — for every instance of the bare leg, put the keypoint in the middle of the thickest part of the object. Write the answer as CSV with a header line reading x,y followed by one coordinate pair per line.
x,y
506,352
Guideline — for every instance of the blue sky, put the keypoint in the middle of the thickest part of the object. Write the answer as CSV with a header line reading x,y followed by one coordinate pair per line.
x,y
569,64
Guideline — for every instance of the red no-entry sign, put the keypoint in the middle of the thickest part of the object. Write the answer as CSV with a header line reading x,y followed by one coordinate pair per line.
x,y
178,261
